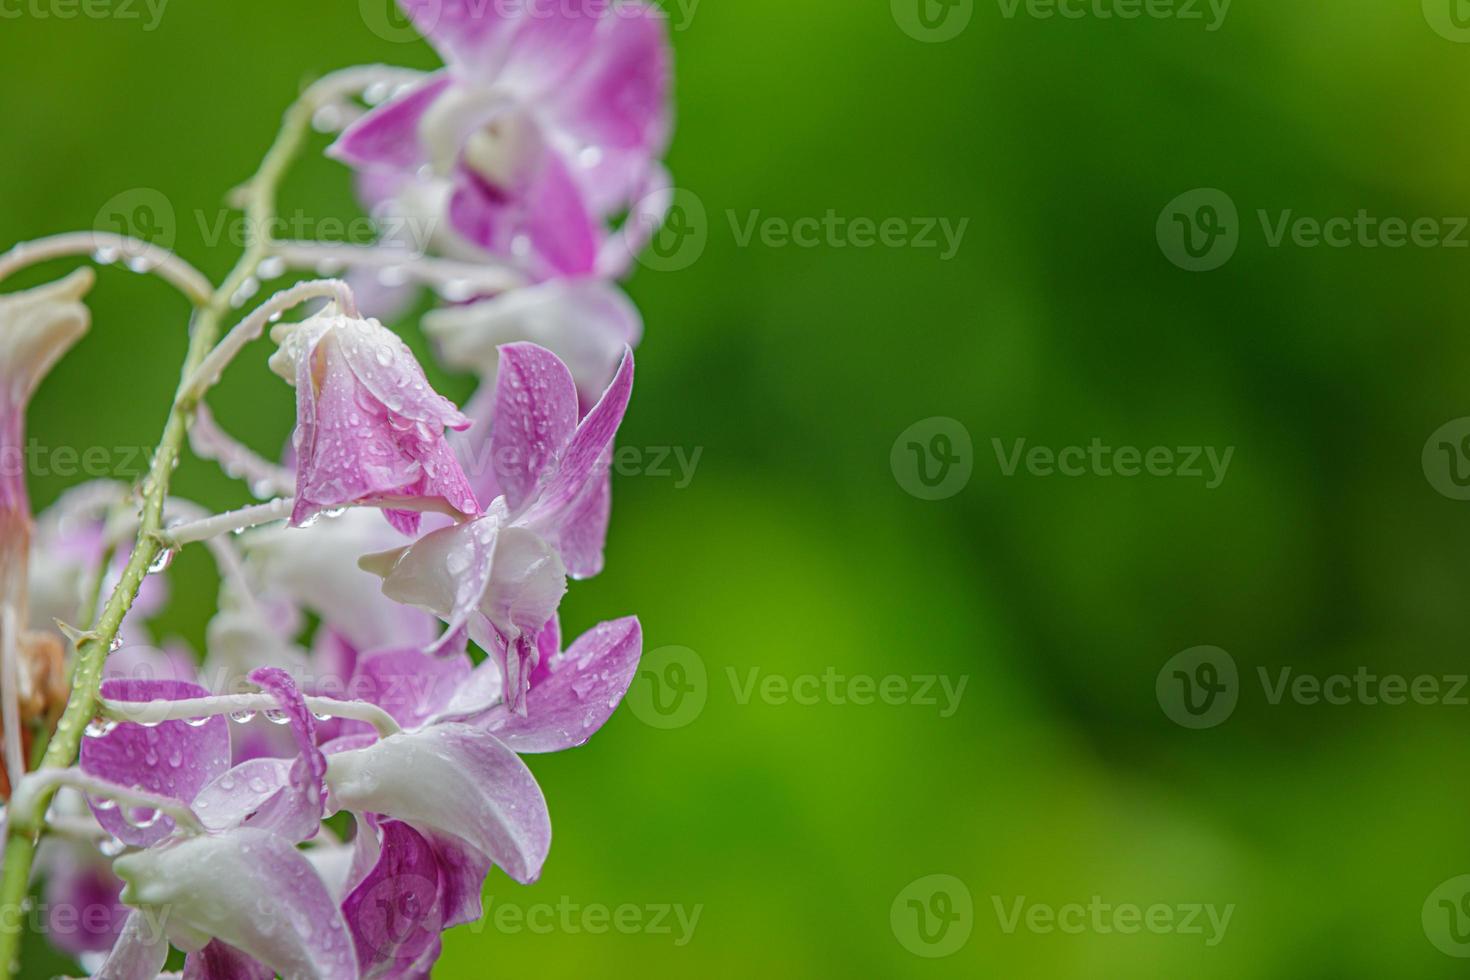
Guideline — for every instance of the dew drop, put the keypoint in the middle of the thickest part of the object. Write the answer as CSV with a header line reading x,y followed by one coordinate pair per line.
x,y
162,561
243,717
99,728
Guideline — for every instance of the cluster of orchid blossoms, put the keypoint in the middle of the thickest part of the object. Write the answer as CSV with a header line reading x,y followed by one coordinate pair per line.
x,y
326,789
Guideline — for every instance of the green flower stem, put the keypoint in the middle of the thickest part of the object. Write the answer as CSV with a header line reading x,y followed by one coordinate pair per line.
x,y
23,829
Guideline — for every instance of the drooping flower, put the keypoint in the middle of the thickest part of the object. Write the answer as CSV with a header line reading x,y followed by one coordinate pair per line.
x,y
369,429
543,124
502,575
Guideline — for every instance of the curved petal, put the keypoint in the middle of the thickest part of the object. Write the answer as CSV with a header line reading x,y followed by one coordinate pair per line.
x,y
388,136
455,780
587,453
250,889
295,811
462,872
174,759
394,912
577,694
140,951
469,34
237,796
618,105
544,223
535,416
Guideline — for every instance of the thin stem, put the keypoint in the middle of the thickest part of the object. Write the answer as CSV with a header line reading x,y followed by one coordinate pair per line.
x,y
157,712
105,248
254,325
29,804
210,441
81,706
228,522
458,280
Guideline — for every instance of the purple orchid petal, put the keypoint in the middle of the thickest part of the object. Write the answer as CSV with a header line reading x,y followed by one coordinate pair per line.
x,y
582,534
586,456
578,692
462,873
388,136
535,416
468,33
140,951
620,98
248,888
551,41
544,222
394,911
455,780
618,103
173,759
218,961
295,811
409,684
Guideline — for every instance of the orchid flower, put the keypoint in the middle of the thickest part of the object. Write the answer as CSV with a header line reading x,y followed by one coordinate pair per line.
x,y
369,429
535,154
502,575
454,794
541,126
221,881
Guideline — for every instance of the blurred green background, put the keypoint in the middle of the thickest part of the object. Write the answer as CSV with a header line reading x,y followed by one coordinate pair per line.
x,y
796,830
